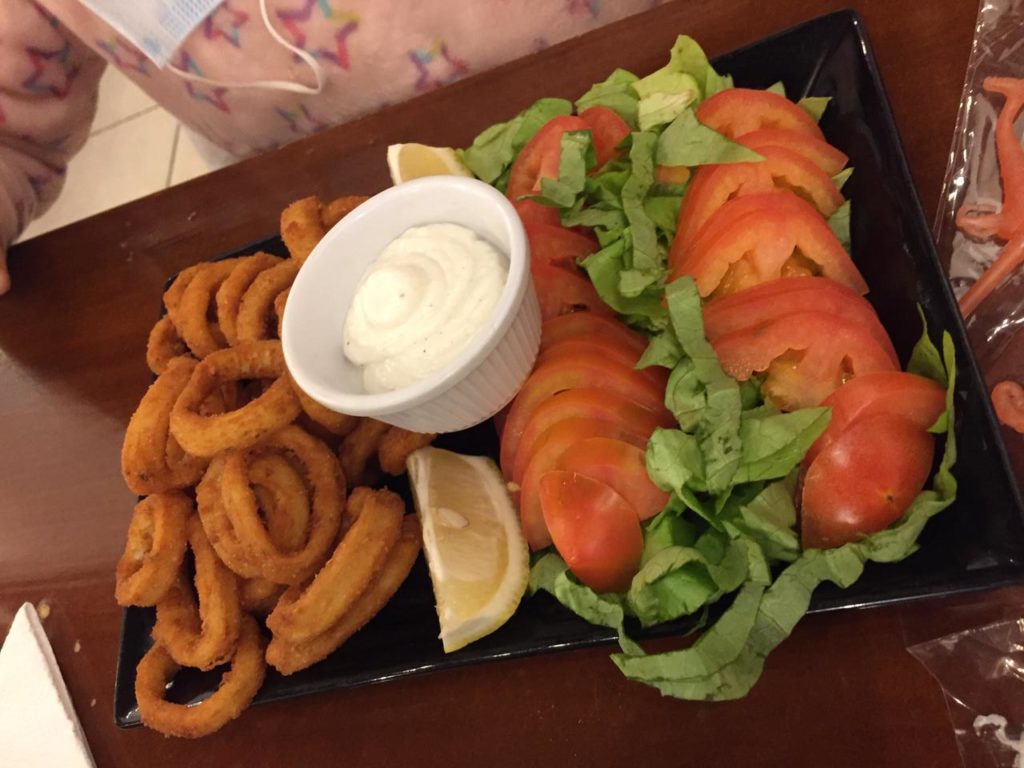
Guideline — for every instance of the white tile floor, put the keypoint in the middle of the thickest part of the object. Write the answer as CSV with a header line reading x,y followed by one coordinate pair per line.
x,y
135,148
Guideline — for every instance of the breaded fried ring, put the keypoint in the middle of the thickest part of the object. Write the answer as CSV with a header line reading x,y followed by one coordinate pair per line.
x,y
288,657
172,296
333,212
339,424
154,548
276,407
192,317
260,595
163,345
203,637
301,614
236,691
279,303
328,494
284,499
396,445
217,524
358,447
254,322
229,295
301,227
151,458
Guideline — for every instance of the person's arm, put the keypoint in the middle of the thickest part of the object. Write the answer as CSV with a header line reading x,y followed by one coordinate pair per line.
x,y
49,82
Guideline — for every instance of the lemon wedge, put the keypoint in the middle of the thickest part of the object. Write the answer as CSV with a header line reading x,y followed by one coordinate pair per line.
x,y
478,559
413,161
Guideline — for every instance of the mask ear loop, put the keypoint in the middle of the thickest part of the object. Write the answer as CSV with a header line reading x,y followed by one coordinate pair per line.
x,y
273,85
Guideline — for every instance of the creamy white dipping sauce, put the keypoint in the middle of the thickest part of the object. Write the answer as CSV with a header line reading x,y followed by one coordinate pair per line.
x,y
420,303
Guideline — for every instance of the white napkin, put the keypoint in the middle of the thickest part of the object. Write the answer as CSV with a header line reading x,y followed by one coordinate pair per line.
x,y
38,724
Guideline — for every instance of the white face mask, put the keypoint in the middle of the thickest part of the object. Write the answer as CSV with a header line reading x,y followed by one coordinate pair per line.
x,y
158,27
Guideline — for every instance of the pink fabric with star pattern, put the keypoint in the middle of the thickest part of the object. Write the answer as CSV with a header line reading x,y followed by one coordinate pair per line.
x,y
373,52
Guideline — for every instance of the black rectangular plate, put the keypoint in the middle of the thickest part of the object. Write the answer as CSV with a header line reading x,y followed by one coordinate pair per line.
x,y
977,543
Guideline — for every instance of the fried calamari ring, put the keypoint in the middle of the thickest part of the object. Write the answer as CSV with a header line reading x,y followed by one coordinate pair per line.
x,y
333,212
288,657
163,345
200,637
260,595
276,407
279,303
172,296
155,547
339,424
302,227
358,448
254,322
237,689
192,316
229,295
283,498
396,445
328,494
301,614
217,524
151,458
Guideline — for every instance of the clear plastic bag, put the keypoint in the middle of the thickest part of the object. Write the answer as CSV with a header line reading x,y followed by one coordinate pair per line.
x,y
981,672
973,179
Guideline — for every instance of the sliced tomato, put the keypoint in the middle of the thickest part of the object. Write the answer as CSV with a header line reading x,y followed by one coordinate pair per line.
x,y
864,480
583,403
594,529
532,212
582,369
915,398
584,324
714,185
806,356
555,244
609,346
818,151
540,157
561,290
770,300
773,236
620,465
551,446
608,130
738,111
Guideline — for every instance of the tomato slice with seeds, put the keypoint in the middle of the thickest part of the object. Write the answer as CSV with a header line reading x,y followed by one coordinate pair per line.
x,y
830,159
915,398
805,355
773,299
775,235
594,529
607,130
864,480
714,185
580,369
738,111
550,448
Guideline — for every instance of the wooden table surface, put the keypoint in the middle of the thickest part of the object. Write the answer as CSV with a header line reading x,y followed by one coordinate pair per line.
x,y
843,691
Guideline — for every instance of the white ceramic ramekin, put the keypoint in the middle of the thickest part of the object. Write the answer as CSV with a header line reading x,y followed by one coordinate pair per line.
x,y
487,373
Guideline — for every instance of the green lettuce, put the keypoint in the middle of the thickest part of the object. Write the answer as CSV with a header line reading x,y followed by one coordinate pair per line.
x,y
616,93
687,141
815,105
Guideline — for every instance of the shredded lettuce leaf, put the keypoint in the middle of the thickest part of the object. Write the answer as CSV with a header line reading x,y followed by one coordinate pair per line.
x,y
815,105
616,93
687,141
